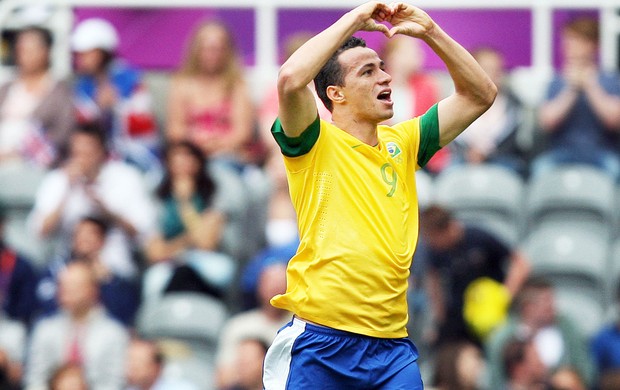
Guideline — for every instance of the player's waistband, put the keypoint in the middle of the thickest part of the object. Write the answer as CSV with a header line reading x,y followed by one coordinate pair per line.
x,y
313,327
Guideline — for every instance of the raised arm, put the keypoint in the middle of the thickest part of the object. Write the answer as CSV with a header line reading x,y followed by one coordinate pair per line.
x,y
297,109
474,91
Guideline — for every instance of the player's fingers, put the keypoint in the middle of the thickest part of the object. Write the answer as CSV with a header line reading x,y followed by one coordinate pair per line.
x,y
382,12
396,7
383,28
393,31
380,27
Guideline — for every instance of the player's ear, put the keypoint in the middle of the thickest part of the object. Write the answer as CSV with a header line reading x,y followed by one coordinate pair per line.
x,y
335,94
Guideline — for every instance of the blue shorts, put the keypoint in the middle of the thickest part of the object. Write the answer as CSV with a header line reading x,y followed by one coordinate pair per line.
x,y
306,356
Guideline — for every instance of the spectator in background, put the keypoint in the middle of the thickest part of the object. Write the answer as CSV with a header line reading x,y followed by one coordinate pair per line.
x,y
68,377
413,90
110,92
6,381
492,138
459,366
554,337
82,334
12,347
89,184
459,255
144,369
211,106
250,277
36,113
523,366
209,102
610,380
581,115
566,378
250,357
605,345
18,280
119,295
261,323
192,220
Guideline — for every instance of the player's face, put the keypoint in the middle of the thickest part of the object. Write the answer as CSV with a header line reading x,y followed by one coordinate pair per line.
x,y
366,87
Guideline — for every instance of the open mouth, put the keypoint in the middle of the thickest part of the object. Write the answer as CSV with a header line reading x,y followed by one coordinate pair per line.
x,y
385,96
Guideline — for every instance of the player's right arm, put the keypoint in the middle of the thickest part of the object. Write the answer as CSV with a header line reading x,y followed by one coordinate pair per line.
x,y
297,106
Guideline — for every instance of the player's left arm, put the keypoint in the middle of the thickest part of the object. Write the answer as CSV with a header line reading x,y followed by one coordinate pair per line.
x,y
474,91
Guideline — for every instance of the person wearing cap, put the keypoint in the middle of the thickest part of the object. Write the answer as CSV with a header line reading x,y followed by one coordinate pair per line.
x,y
109,91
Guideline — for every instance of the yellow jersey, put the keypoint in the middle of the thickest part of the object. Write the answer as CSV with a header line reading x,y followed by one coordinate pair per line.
x,y
357,212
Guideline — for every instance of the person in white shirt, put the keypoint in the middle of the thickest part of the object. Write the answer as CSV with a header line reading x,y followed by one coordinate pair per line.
x,y
89,183
82,334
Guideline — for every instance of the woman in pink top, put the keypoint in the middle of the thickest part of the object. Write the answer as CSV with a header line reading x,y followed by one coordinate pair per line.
x,y
209,103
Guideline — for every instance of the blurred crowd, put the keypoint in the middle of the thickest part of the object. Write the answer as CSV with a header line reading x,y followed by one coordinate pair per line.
x,y
149,248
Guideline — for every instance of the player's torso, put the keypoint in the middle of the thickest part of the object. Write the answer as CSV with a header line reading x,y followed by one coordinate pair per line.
x,y
357,213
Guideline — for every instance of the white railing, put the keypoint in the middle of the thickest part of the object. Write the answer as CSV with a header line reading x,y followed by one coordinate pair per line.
x,y
266,21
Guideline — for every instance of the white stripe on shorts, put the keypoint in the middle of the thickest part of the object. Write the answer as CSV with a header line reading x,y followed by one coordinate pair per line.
x,y
278,359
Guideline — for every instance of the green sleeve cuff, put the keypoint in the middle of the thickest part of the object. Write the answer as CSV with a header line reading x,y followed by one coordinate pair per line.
x,y
429,136
296,146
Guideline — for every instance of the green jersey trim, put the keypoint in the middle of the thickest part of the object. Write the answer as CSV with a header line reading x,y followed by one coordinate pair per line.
x,y
429,136
296,146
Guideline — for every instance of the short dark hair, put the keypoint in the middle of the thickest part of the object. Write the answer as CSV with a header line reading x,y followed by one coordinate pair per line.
x,y
102,224
532,286
332,73
95,130
205,183
436,218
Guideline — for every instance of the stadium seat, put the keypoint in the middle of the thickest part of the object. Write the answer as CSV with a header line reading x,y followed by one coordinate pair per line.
x,y
236,207
158,84
613,281
424,187
581,306
568,249
575,261
185,316
20,183
187,364
575,195
484,195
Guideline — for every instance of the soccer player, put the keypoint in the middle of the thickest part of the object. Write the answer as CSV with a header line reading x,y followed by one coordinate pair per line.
x,y
352,184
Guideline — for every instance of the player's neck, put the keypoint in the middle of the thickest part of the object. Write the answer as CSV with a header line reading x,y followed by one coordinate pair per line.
x,y
365,131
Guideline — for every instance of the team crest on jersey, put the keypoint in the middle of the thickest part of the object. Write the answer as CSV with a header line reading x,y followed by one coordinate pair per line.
x,y
393,149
